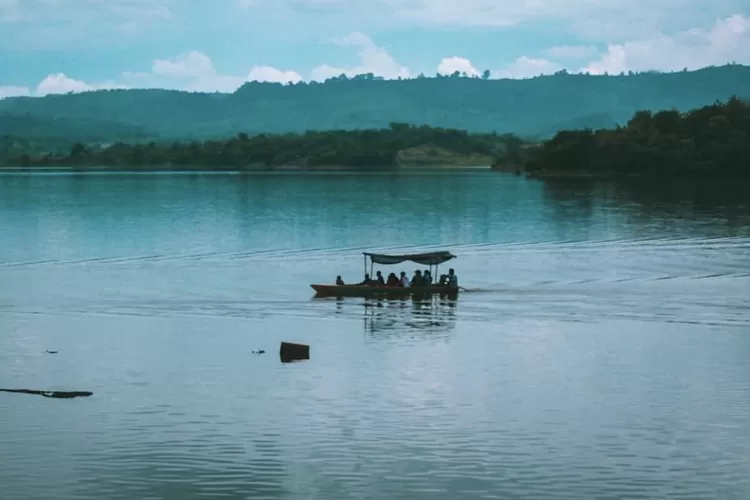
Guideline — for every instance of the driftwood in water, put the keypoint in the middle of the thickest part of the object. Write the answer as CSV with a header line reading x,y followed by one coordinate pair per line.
x,y
52,394
293,352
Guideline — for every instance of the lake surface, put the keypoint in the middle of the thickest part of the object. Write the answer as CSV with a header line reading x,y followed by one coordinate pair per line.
x,y
603,350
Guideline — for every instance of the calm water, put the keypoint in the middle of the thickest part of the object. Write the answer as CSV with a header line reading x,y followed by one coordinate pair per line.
x,y
602,352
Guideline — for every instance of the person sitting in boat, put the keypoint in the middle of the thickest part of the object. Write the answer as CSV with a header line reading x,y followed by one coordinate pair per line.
x,y
427,278
443,280
379,279
339,281
404,280
417,280
393,280
452,278
366,281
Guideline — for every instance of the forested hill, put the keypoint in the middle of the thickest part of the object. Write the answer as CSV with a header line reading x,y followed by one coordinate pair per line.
x,y
534,107
30,126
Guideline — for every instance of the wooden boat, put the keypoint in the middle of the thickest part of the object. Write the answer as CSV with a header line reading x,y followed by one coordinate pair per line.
x,y
368,291
432,259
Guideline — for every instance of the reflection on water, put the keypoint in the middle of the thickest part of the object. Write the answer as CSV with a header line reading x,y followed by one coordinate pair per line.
x,y
424,317
601,351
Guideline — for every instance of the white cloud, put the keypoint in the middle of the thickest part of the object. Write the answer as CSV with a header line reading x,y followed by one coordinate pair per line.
x,y
450,65
59,83
373,59
618,21
186,65
528,67
193,71
600,20
271,74
13,91
611,21
727,41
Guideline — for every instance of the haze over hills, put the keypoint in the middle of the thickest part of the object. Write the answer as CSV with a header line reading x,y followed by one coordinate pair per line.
x,y
536,107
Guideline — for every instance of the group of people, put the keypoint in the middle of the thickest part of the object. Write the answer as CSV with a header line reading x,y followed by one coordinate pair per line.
x,y
419,279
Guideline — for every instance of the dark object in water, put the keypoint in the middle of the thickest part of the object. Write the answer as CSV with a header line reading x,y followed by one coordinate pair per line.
x,y
51,352
52,394
259,352
293,352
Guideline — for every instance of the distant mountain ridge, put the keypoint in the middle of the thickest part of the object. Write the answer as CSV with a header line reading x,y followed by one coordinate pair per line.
x,y
536,107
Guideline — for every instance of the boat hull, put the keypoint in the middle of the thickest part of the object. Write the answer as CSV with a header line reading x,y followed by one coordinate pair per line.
x,y
373,291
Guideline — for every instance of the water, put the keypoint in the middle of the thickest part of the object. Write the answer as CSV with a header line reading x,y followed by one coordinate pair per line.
x,y
602,351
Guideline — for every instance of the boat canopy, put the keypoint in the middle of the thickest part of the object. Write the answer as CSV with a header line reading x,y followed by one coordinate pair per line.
x,y
425,259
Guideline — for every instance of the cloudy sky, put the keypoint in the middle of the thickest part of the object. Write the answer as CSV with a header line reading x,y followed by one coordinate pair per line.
x,y
53,46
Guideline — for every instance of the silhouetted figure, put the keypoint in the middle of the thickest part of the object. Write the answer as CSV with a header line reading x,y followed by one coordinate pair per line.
x,y
339,281
379,279
393,280
417,279
366,281
452,278
404,280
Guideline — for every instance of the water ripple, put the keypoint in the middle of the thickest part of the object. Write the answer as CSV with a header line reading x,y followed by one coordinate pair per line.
x,y
597,354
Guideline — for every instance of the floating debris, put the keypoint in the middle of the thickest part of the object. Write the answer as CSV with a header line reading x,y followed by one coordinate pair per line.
x,y
52,394
293,352
261,351
51,352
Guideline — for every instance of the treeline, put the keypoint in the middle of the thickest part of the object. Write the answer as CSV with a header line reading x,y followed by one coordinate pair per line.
x,y
712,139
535,107
360,148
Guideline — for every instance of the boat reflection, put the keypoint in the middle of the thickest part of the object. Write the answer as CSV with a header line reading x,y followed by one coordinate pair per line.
x,y
423,317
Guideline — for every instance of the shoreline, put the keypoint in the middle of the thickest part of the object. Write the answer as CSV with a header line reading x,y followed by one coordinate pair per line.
x,y
203,169
519,171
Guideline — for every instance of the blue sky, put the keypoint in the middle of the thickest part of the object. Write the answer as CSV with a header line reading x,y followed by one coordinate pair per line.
x,y
53,46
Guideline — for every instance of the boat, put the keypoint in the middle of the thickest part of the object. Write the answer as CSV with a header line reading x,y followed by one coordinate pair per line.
x,y
431,259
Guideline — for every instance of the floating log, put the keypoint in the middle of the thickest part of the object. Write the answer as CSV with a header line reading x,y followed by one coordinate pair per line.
x,y
52,394
293,352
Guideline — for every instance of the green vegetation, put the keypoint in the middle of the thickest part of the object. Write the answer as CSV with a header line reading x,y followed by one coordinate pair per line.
x,y
400,144
536,107
713,140
361,122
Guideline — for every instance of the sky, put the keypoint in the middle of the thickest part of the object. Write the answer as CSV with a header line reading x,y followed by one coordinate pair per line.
x,y
59,46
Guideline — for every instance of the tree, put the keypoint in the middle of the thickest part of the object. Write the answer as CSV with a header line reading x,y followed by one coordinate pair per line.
x,y
641,121
486,74
668,121
77,150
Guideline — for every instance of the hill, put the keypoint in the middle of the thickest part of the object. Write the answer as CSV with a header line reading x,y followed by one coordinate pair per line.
x,y
536,107
40,127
